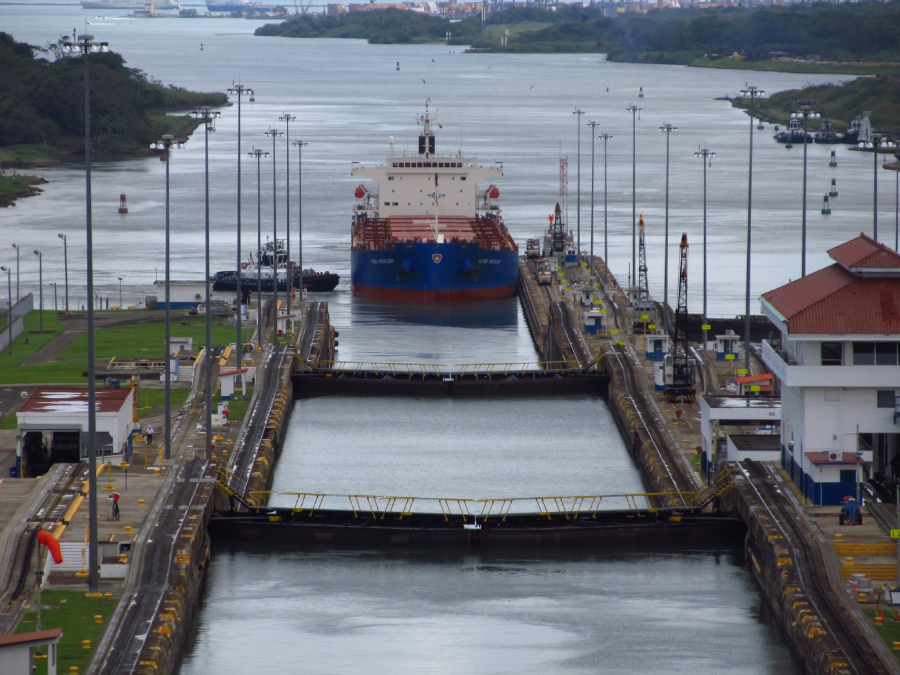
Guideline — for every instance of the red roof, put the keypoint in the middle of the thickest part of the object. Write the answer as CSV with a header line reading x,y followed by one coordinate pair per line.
x,y
823,458
865,252
833,301
25,638
749,379
73,400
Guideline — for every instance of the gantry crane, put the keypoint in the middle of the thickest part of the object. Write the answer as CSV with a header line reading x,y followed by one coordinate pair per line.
x,y
680,382
644,309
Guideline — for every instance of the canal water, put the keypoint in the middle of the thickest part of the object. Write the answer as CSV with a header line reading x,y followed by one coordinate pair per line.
x,y
622,611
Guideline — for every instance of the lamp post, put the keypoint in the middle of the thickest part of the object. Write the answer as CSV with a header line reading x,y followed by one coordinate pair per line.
x,y
167,142
635,115
706,156
259,154
300,145
240,91
55,306
9,322
287,118
120,292
805,113
40,290
18,297
882,146
897,212
753,93
578,113
208,117
274,133
668,129
593,126
606,137
85,44
66,264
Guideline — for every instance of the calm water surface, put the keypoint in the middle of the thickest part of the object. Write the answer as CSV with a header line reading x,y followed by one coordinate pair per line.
x,y
619,611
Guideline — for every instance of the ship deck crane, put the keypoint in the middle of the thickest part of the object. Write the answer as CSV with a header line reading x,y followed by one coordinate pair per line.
x,y
680,383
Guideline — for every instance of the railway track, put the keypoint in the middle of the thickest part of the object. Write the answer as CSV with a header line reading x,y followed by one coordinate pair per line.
x,y
125,650
818,581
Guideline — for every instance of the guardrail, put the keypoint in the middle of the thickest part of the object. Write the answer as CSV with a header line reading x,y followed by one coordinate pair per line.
x,y
571,507
407,369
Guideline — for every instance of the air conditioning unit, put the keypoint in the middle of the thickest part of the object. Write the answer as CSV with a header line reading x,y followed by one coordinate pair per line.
x,y
197,296
834,456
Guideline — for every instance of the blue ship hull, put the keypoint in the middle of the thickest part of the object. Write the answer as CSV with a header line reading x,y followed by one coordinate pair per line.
x,y
428,272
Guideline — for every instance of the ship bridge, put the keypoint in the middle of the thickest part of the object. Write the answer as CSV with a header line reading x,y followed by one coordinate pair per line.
x,y
407,183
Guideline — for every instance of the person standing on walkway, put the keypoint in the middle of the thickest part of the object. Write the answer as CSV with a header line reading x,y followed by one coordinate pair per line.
x,y
150,435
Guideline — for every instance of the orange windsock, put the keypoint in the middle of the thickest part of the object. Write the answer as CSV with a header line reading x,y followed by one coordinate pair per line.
x,y
44,537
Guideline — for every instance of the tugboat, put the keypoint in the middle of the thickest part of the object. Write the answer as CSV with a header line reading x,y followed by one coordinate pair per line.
x,y
793,134
426,233
310,279
827,135
859,131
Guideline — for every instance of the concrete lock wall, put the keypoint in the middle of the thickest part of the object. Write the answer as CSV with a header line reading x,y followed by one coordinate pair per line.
x,y
17,319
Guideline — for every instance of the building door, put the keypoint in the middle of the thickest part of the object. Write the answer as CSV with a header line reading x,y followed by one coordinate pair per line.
x,y
848,483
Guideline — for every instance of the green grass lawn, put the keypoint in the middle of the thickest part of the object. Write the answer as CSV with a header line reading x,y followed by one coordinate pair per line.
x,y
74,613
22,154
889,630
493,32
237,409
10,421
68,366
152,401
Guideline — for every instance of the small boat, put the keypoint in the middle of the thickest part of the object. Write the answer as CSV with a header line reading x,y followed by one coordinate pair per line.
x,y
859,131
313,281
826,134
794,133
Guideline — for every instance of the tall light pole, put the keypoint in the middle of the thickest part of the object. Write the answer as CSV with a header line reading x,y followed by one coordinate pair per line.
x,y
606,138
240,91
578,113
208,117
40,290
120,293
66,264
668,129
593,126
300,145
55,307
9,322
706,155
18,297
287,118
882,146
274,133
635,116
259,154
753,93
167,142
805,113
85,44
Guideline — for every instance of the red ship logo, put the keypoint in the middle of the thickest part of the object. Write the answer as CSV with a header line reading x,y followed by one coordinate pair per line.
x,y
436,257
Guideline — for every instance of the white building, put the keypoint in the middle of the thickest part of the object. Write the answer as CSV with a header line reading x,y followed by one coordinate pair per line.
x,y
837,364
53,425
183,294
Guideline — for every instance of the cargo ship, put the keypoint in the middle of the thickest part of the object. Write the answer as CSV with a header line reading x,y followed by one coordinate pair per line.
x,y
426,232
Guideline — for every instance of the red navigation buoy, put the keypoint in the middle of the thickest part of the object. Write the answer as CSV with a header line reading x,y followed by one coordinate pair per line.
x,y
360,191
123,207
163,155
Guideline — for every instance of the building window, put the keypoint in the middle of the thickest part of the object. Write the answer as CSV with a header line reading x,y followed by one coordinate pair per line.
x,y
832,353
462,177
885,353
886,398
390,178
863,353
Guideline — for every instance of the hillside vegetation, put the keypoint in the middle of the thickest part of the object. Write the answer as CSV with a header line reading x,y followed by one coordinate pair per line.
x,y
847,31
42,114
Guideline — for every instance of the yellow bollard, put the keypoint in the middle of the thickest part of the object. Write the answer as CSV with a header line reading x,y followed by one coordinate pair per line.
x,y
98,618
157,471
85,644
849,561
108,596
838,536
128,529
73,670
123,558
141,502
897,646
